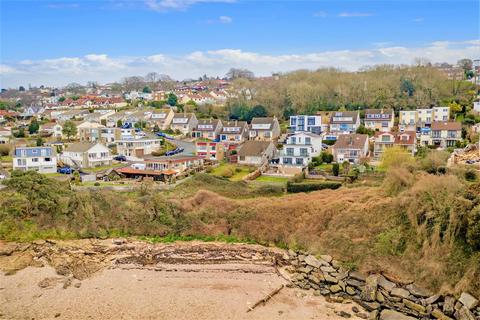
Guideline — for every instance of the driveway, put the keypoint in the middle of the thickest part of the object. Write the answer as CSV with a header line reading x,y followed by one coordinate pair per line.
x,y
189,147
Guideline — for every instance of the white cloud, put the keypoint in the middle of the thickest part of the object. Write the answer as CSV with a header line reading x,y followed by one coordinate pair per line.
x,y
103,68
418,20
225,19
320,14
169,5
62,5
354,14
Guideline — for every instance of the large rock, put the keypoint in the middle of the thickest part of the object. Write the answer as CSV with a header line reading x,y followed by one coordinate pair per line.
x,y
468,300
326,258
437,314
314,262
464,314
401,293
357,276
449,305
327,269
369,292
414,306
394,315
386,284
329,278
335,288
432,299
417,291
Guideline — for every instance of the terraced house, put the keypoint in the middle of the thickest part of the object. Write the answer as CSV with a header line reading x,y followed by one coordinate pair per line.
x,y
207,129
41,159
234,132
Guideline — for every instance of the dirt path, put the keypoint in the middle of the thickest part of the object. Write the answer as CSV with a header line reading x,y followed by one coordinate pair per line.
x,y
102,280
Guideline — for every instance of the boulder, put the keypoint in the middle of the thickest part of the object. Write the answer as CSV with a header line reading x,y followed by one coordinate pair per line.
x,y
464,314
327,269
312,261
329,278
335,288
432,299
327,258
417,291
386,284
394,315
437,314
350,290
414,306
355,283
357,276
449,305
400,292
468,300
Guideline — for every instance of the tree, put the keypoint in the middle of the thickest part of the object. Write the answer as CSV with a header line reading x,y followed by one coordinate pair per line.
x,y
346,167
20,133
455,107
61,99
69,129
258,111
408,87
21,88
119,123
39,142
465,64
235,73
34,126
172,99
336,169
146,89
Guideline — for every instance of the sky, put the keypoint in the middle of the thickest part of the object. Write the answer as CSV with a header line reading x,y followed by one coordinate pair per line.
x,y
56,42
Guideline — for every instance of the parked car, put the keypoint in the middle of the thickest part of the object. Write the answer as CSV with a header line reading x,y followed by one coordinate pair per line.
x,y
120,158
3,177
65,170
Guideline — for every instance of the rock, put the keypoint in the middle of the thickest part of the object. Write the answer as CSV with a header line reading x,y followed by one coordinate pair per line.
x,y
414,306
369,306
312,261
342,285
464,314
335,288
343,314
362,315
57,315
357,276
394,315
301,258
432,299
292,253
369,292
380,298
77,285
335,264
39,242
326,258
329,278
449,305
355,309
306,269
417,291
350,290
386,284
437,314
355,283
468,300
373,315
317,293
314,278
327,269
399,292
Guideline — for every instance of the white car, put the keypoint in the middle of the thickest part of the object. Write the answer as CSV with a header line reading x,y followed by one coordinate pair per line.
x,y
3,177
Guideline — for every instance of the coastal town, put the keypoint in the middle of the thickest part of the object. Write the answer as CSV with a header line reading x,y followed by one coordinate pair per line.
x,y
164,136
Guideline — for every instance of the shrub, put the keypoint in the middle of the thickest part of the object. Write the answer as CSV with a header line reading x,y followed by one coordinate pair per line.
x,y
226,172
158,153
327,157
336,169
4,150
237,169
295,187
473,229
329,142
97,184
470,175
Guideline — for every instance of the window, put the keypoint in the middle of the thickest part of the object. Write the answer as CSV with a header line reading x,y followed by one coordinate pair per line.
x,y
48,159
34,159
287,160
293,140
290,151
311,121
303,152
293,121
299,161
308,140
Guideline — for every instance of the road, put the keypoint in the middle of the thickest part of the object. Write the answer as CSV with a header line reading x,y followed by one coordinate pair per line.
x,y
189,147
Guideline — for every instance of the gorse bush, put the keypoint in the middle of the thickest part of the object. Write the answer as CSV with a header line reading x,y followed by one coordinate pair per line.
x,y
311,186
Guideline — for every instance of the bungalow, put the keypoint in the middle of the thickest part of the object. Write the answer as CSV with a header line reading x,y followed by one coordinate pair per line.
x,y
344,122
71,115
86,155
137,147
383,140
184,122
302,123
379,119
350,147
41,159
264,129
234,132
300,148
445,133
162,118
256,153
177,163
207,129
210,150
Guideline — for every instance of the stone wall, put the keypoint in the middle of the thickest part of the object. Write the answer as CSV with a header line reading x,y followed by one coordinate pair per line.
x,y
385,298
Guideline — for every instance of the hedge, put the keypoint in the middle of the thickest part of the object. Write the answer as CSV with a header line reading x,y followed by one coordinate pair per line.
x,y
311,186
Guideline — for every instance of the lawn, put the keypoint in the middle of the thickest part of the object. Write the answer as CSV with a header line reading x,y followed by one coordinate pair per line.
x,y
231,171
103,168
6,158
102,183
269,179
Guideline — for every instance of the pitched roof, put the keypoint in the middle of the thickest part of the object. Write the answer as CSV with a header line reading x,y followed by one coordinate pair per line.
x,y
253,148
79,147
343,117
262,121
233,124
207,124
351,141
378,114
446,125
400,138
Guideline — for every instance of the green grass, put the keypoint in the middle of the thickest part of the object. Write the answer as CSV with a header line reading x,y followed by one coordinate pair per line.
x,y
6,158
238,175
268,179
217,238
102,183
103,168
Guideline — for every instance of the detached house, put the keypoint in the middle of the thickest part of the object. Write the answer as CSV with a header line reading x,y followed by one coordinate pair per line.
x,y
344,122
162,118
234,132
89,131
41,159
256,153
184,122
53,129
300,148
302,123
137,147
383,140
207,129
86,155
264,129
350,147
446,133
379,119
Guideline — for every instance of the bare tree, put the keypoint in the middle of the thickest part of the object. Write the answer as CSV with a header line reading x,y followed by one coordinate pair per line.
x,y
133,83
235,73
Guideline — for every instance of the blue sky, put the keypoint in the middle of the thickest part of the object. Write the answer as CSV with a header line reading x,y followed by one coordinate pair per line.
x,y
186,38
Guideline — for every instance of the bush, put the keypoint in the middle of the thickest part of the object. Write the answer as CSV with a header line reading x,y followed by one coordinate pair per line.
x,y
326,157
237,169
97,184
295,187
473,229
158,153
329,142
4,150
470,175
226,173
335,169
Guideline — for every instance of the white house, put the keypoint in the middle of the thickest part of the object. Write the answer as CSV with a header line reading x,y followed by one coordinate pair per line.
x,y
344,122
311,124
379,119
52,128
137,147
476,106
86,155
41,159
264,129
184,122
300,148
